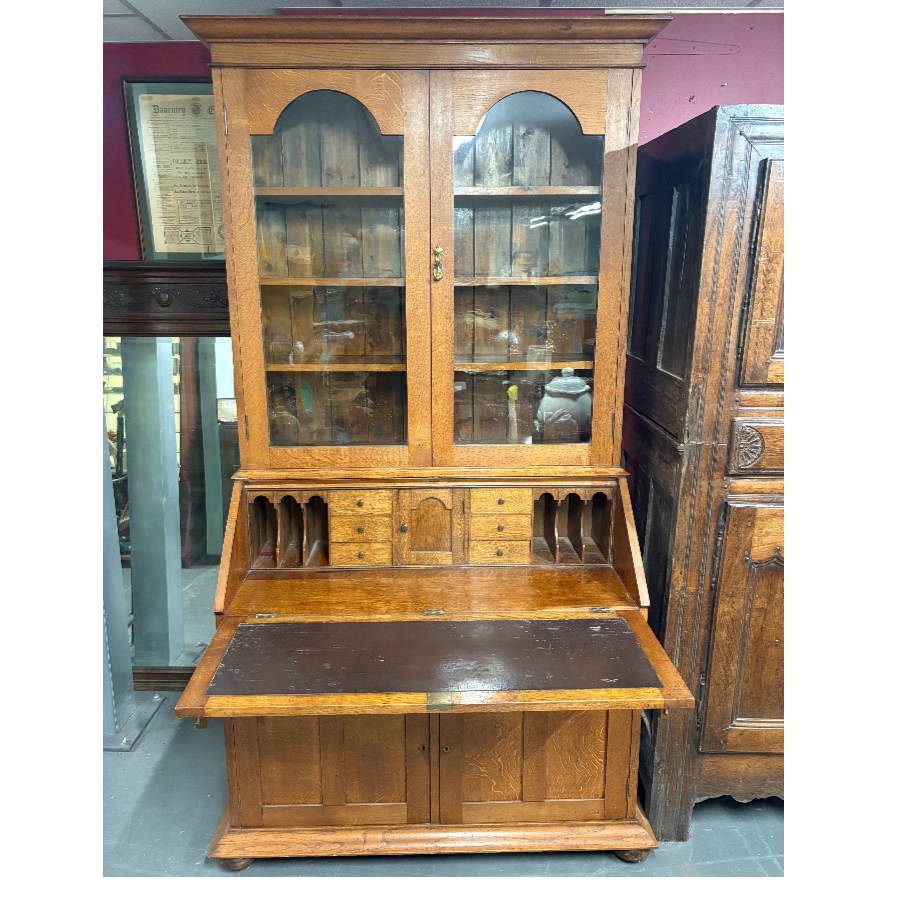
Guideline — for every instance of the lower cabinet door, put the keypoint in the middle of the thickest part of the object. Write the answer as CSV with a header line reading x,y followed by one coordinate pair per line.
x,y
328,771
538,767
745,693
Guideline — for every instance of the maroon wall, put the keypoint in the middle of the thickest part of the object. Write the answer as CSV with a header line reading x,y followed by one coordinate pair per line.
x,y
697,62
700,61
120,239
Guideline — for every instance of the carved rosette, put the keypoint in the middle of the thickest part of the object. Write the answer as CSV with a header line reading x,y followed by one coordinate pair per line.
x,y
751,446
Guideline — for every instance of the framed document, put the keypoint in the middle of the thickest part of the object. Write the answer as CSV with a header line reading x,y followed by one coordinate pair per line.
x,y
171,130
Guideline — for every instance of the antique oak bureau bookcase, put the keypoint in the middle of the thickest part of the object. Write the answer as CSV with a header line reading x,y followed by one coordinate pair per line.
x,y
431,612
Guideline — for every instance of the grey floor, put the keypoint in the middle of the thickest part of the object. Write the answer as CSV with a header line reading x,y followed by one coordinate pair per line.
x,y
163,799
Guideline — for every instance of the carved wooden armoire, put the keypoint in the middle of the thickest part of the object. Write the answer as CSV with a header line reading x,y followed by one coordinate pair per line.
x,y
703,445
431,612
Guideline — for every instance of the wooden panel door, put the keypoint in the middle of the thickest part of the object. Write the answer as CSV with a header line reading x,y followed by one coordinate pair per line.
x,y
327,234
328,771
538,767
432,527
531,183
745,703
763,348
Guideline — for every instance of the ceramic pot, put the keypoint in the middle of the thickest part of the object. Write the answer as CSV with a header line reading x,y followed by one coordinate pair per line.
x,y
564,413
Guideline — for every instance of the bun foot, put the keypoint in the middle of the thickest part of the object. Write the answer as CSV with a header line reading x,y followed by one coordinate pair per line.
x,y
235,864
632,855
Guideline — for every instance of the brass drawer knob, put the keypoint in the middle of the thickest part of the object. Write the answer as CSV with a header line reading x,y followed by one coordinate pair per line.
x,y
499,552
500,527
501,501
361,555
404,528
361,529
360,503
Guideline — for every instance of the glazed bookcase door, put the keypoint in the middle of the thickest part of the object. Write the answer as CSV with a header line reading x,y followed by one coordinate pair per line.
x,y
328,182
529,176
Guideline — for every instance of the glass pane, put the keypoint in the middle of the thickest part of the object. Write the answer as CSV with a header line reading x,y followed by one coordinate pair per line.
x,y
330,230
529,139
171,421
506,237
528,206
536,405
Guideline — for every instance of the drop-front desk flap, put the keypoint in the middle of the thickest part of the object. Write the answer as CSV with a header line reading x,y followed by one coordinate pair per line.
x,y
279,666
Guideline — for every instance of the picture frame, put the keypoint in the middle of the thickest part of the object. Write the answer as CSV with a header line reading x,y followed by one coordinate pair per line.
x,y
174,164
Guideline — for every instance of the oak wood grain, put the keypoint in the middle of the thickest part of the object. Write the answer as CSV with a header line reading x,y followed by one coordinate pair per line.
x,y
402,591
424,55
476,92
270,91
575,26
619,167
412,840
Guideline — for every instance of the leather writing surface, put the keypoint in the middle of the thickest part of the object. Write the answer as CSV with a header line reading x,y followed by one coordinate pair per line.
x,y
309,658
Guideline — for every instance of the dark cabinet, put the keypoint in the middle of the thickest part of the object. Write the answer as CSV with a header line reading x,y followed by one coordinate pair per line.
x,y
703,444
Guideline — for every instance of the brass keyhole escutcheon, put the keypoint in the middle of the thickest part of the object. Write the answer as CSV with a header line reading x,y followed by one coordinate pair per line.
x,y
438,263
501,501
446,748
360,529
500,527
404,528
361,555
360,503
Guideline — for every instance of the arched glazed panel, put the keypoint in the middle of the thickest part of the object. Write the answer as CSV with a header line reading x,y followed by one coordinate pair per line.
x,y
327,138
330,219
527,213
528,139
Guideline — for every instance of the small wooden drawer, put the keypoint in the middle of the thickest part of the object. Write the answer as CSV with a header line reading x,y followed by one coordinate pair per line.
x,y
345,555
361,502
490,500
499,552
501,527
361,529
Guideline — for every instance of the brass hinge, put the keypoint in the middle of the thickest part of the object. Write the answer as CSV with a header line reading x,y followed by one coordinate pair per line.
x,y
432,611
627,789
265,614
613,423
225,118
439,702
598,610
246,426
